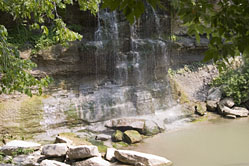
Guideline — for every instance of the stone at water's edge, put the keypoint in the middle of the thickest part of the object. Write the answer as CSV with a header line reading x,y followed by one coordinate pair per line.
x,y
82,152
237,111
214,94
211,105
15,145
126,124
227,102
200,108
52,163
94,161
140,159
132,136
143,126
117,136
55,150
151,128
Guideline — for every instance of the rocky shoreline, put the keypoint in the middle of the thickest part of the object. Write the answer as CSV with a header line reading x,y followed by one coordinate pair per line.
x,y
64,153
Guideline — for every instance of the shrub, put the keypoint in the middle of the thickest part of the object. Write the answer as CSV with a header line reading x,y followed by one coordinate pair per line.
x,y
235,83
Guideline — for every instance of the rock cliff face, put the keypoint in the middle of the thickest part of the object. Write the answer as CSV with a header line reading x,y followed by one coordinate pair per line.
x,y
117,69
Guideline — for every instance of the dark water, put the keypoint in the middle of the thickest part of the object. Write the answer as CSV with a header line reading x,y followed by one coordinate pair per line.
x,y
220,142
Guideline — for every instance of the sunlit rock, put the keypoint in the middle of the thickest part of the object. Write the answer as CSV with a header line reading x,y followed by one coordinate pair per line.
x,y
15,145
82,152
141,159
54,150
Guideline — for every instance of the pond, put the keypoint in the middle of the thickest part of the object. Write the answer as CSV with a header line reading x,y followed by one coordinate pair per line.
x,y
219,142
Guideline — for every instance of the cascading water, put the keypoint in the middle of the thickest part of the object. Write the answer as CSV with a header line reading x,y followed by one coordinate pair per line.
x,y
129,65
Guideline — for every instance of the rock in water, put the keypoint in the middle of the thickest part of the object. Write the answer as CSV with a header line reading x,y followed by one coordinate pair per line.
x,y
141,159
211,105
94,161
15,145
55,150
151,128
237,111
82,152
200,108
227,102
132,136
52,163
117,136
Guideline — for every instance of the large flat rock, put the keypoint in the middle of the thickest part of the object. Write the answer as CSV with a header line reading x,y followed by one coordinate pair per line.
x,y
237,111
94,161
82,152
141,159
52,163
15,145
126,124
55,150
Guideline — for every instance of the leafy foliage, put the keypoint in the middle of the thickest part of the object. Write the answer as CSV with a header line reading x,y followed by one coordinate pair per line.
x,y
235,83
132,9
15,72
224,22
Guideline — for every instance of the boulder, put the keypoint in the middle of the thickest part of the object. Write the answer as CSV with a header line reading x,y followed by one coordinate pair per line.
x,y
15,145
132,136
214,94
94,161
140,159
211,105
110,154
126,124
200,108
60,139
52,163
227,102
117,136
103,137
55,150
151,128
237,111
82,152
29,160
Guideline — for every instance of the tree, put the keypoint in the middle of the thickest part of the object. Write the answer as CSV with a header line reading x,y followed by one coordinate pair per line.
x,y
224,22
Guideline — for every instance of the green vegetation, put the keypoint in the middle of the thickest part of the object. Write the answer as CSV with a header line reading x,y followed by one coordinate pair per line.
x,y
75,138
101,147
235,83
120,145
225,23
21,151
